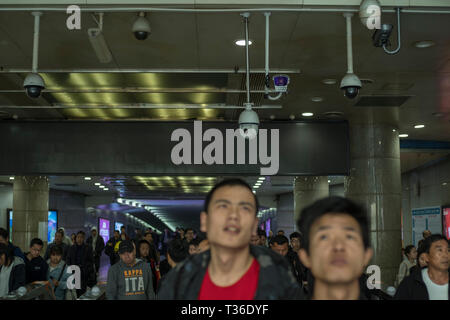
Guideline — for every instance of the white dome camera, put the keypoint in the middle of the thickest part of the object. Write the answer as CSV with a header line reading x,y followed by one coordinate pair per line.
x,y
351,84
141,27
248,123
34,84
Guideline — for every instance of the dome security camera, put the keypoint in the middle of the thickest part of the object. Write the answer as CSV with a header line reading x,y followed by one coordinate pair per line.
x,y
141,27
34,84
248,123
350,84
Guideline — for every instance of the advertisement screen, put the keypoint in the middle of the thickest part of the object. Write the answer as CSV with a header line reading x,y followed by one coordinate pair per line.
x,y
446,221
117,226
103,227
52,225
267,227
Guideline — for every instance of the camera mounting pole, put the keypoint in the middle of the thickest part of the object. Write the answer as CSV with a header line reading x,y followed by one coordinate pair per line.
x,y
398,36
348,17
246,15
37,15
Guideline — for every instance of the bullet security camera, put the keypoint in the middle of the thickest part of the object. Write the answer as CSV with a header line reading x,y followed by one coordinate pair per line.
x,y
351,84
381,36
34,84
248,123
141,27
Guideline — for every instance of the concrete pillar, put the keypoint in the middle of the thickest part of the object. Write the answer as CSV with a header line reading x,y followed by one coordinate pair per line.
x,y
375,182
30,210
307,190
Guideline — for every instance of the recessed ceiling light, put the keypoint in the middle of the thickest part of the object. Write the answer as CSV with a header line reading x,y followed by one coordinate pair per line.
x,y
329,81
262,178
105,189
87,178
272,117
255,187
444,184
11,178
317,99
241,42
403,135
254,191
307,114
101,187
257,184
424,44
292,117
419,126
97,183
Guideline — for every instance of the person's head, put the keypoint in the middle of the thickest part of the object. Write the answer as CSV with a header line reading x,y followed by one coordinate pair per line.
x,y
270,233
56,254
280,244
426,234
80,238
94,232
36,245
127,252
143,249
148,237
61,229
193,246
280,233
122,229
254,240
6,255
58,237
189,234
4,236
73,236
182,233
436,252
295,241
335,240
411,252
230,214
262,237
116,234
421,261
177,251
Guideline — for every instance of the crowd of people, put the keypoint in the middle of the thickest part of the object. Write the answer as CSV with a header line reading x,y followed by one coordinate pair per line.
x,y
231,259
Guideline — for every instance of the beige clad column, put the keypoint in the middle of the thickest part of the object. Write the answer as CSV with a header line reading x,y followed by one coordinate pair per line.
x,y
375,182
30,209
307,190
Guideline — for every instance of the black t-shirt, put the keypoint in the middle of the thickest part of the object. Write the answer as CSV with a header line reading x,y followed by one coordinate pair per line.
x,y
36,269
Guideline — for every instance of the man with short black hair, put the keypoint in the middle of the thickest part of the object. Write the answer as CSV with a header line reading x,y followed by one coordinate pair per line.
x,y
189,235
109,248
130,278
335,247
280,233
97,244
35,265
425,234
433,281
231,269
4,238
262,238
58,242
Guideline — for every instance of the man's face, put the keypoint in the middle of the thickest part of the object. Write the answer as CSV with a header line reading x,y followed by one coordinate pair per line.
x,y
55,258
94,233
231,218
189,235
35,250
144,250
336,250
280,248
116,235
3,240
80,239
58,238
262,240
193,249
128,257
413,254
438,256
295,244
254,240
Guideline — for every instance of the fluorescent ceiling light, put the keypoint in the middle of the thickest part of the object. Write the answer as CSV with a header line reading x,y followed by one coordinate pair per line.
x,y
99,45
317,99
424,44
11,178
87,178
255,187
105,189
241,42
101,187
419,126
97,183
403,135
329,81
262,178
307,114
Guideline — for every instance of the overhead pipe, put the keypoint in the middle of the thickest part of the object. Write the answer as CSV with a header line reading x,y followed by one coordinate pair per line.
x,y
147,70
398,37
140,106
37,15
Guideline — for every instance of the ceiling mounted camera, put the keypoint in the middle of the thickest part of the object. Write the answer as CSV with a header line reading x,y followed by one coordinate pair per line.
x,y
248,122
141,27
350,84
34,84
381,36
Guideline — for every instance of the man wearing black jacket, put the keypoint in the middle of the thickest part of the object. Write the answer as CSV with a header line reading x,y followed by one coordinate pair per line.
x,y
432,282
36,267
109,248
81,255
97,244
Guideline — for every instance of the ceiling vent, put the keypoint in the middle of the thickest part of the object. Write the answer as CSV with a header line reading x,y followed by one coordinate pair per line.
x,y
381,101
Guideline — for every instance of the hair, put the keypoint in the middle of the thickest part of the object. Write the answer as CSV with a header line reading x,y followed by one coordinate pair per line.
x,y
146,233
280,231
432,239
187,229
295,235
8,252
36,241
61,233
279,239
229,183
122,227
195,242
178,250
81,232
200,237
4,234
56,250
425,232
138,249
421,249
408,249
117,231
333,205
261,233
